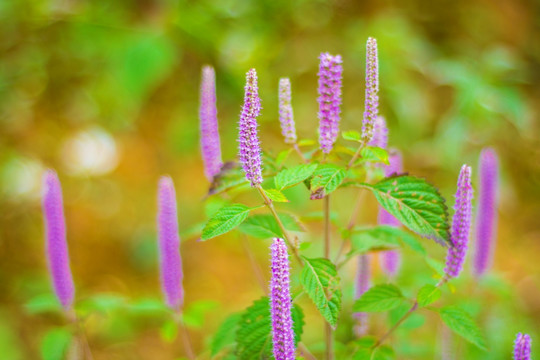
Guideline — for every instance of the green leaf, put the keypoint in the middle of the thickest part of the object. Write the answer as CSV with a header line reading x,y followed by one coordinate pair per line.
x,y
275,195
352,135
379,298
365,350
416,204
169,330
293,176
462,324
43,303
428,294
370,239
374,154
195,312
325,180
225,334
55,343
226,219
103,303
254,335
306,142
149,306
264,226
321,282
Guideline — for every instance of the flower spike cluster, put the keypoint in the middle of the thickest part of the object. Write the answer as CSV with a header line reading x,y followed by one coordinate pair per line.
x,y
55,239
209,130
371,110
249,147
461,224
330,73
486,217
169,245
363,282
280,303
522,347
286,118
380,133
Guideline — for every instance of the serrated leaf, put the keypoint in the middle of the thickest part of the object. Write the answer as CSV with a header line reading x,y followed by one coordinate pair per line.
x,y
264,226
416,204
428,294
226,219
462,324
374,154
351,135
381,237
282,156
55,343
43,303
275,195
293,176
225,334
254,335
379,298
325,180
320,279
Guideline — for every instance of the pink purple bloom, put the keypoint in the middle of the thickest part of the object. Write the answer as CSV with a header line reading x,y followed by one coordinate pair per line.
x,y
371,110
461,224
169,245
380,133
363,282
486,217
522,347
330,73
281,303
210,143
55,239
249,147
286,118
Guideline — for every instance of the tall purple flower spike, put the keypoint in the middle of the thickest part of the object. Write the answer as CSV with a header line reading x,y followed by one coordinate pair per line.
x,y
286,118
486,216
210,143
522,347
380,133
330,73
281,303
363,282
461,224
249,147
169,245
55,239
371,110
391,259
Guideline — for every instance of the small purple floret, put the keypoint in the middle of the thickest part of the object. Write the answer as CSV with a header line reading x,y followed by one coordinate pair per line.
x,y
248,140
330,73
286,118
363,282
55,239
522,347
169,245
281,303
380,133
371,110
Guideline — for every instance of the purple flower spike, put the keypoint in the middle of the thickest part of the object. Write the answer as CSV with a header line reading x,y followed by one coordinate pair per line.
x,y
522,347
280,303
363,282
330,72
486,217
210,143
249,147
169,245
461,224
371,110
286,118
380,133
56,245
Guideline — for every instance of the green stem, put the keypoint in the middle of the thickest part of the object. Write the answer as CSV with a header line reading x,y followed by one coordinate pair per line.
x,y
356,155
81,336
328,328
299,152
185,336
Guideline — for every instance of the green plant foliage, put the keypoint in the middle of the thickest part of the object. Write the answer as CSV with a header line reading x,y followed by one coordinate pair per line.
x,y
379,298
254,334
417,204
264,226
275,195
321,282
290,177
195,312
43,303
374,154
351,135
169,330
428,294
326,179
460,322
54,345
225,334
226,219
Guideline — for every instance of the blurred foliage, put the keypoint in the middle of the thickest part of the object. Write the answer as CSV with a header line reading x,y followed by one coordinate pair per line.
x,y
106,92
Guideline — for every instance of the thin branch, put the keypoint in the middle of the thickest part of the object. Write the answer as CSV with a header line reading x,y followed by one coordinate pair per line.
x,y
256,268
327,234
185,336
299,152
356,155
81,336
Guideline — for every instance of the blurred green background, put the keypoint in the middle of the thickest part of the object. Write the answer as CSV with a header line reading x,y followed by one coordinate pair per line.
x,y
106,92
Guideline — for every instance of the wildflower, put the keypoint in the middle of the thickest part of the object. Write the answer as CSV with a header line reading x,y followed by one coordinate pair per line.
x,y
363,282
371,110
286,118
330,73
522,347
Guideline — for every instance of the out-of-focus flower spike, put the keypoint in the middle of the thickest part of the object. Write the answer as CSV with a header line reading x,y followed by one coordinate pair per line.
x,y
522,347
248,140
486,216
55,240
363,282
371,111
330,74
286,118
209,129
281,303
461,224
171,274
380,133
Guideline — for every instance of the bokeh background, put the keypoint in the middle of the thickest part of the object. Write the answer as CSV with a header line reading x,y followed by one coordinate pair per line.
x,y
106,92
